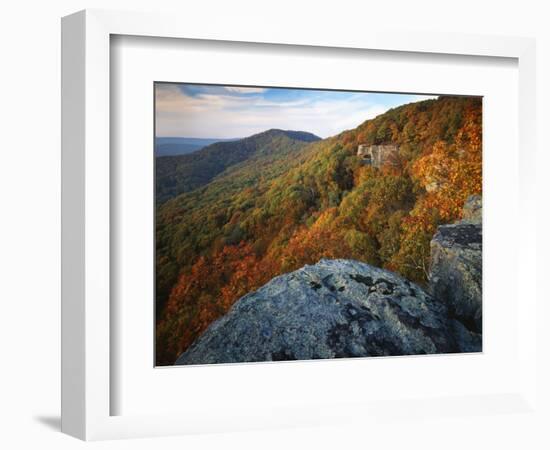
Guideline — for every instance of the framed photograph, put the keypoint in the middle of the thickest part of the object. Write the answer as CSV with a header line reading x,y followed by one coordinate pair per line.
x,y
249,216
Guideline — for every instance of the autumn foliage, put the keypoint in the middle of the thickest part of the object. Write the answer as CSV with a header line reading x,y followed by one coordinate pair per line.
x,y
270,216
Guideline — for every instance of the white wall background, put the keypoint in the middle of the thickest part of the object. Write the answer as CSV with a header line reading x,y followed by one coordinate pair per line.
x,y
30,197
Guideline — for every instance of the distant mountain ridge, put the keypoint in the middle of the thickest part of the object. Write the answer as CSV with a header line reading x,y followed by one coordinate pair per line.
x,y
183,173
174,146
289,203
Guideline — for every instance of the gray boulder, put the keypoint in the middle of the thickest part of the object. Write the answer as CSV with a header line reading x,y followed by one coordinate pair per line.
x,y
456,266
471,213
333,309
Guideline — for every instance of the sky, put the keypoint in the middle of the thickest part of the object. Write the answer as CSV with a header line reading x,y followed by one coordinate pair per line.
x,y
206,111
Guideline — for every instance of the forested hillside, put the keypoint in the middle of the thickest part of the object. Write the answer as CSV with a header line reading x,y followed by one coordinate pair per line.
x,y
178,174
278,211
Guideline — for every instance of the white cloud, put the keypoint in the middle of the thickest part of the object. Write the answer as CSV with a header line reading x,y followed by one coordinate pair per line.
x,y
227,115
245,90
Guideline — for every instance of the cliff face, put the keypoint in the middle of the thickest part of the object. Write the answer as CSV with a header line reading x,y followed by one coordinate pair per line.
x,y
456,266
376,155
333,309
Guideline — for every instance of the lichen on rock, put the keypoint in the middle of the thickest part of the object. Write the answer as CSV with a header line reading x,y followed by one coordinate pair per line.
x,y
333,309
456,266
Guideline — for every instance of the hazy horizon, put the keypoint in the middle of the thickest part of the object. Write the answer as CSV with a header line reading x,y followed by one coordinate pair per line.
x,y
196,111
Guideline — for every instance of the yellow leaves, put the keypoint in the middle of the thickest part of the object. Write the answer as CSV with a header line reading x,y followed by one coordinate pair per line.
x,y
322,204
452,173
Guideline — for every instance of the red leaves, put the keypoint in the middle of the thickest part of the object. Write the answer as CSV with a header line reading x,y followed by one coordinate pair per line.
x,y
325,204
207,292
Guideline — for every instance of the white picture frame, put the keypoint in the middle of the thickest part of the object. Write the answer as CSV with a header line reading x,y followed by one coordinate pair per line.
x,y
86,221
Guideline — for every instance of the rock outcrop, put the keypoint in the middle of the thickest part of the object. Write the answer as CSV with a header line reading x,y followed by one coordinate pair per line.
x,y
333,309
472,210
456,266
377,155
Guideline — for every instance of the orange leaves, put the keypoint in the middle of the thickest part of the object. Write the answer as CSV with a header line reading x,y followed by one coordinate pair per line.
x,y
247,274
449,172
324,239
452,172
187,286
207,292
470,135
348,138
315,203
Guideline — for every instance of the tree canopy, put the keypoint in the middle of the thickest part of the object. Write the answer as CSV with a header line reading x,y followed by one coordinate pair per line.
x,y
290,204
